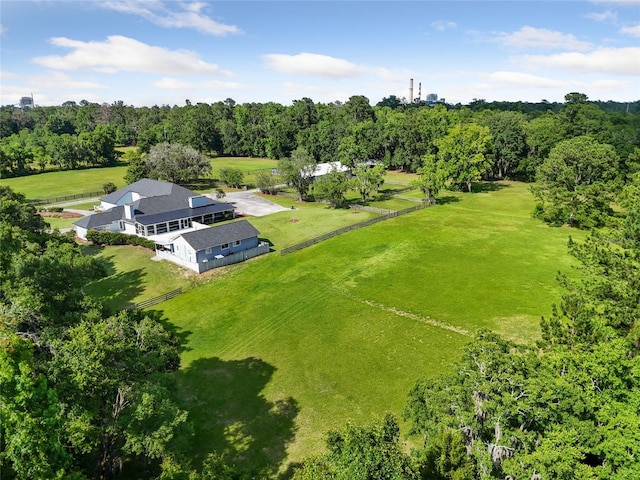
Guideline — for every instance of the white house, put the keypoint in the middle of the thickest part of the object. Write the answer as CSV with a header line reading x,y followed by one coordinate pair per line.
x,y
148,208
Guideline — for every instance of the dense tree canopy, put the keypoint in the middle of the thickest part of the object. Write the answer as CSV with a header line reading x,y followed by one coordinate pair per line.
x,y
176,163
77,135
83,393
577,181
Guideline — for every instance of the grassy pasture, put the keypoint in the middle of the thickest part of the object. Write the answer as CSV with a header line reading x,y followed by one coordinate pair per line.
x,y
249,166
133,276
279,350
67,182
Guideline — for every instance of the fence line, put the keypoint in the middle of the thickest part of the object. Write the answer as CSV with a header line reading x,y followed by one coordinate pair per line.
x,y
48,201
355,226
155,300
262,248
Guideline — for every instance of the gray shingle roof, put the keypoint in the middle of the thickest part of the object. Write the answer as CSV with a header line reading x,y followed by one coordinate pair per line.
x,y
99,219
162,202
216,236
150,188
166,216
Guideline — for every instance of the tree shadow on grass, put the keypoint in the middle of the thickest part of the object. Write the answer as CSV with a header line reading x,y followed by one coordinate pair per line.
x,y
446,199
231,417
180,335
117,290
488,186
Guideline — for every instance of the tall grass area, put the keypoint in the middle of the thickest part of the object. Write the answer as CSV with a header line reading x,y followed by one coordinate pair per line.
x,y
281,349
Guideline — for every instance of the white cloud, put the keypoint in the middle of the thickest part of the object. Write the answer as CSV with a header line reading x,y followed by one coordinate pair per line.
x,y
120,53
523,80
609,85
634,30
167,83
528,37
189,16
607,16
314,64
618,61
442,25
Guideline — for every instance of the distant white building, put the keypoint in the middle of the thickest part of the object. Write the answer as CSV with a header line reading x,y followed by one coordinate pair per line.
x,y
324,168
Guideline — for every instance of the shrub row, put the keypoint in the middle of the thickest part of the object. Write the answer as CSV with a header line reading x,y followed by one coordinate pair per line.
x,y
117,238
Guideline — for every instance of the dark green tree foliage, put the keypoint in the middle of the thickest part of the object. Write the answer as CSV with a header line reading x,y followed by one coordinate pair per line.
x,y
605,302
542,134
433,177
232,177
361,453
566,408
82,394
112,363
31,416
577,182
445,458
137,168
267,183
464,152
508,142
359,109
176,163
297,171
332,187
513,407
368,180
72,135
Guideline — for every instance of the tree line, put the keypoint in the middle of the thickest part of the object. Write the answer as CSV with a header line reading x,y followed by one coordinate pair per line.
x,y
518,139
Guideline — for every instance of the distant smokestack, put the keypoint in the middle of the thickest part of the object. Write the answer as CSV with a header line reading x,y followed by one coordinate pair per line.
x,y
411,90
420,92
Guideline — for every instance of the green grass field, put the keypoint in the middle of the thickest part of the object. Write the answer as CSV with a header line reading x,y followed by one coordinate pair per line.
x,y
279,350
134,277
68,182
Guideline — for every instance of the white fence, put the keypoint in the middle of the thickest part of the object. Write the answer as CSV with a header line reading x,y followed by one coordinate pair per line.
x,y
201,267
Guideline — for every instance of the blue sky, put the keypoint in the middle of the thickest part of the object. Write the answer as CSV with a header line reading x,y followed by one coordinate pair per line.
x,y
156,52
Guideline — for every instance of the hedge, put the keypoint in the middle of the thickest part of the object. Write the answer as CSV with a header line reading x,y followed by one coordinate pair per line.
x,y
117,238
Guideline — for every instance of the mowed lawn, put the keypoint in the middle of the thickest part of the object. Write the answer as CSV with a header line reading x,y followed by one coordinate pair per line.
x,y
281,349
68,182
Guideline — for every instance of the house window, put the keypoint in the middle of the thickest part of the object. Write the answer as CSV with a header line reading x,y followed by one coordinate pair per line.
x,y
225,246
174,225
236,243
208,251
161,228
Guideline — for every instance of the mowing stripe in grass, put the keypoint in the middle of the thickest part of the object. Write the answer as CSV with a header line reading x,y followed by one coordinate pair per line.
x,y
401,313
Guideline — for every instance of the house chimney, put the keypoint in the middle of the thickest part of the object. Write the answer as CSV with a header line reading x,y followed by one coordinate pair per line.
x,y
129,212
411,90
